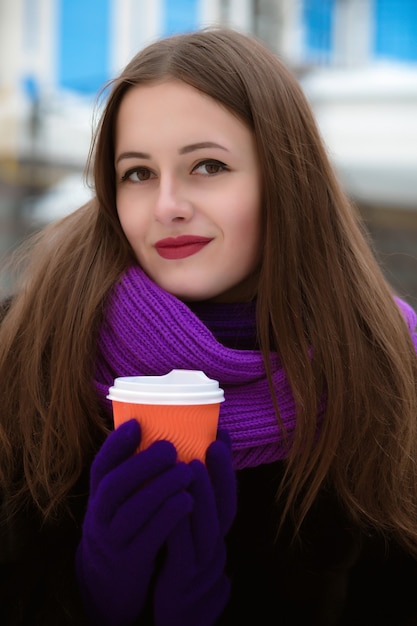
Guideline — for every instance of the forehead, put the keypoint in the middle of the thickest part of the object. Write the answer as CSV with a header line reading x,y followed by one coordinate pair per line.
x,y
174,108
168,98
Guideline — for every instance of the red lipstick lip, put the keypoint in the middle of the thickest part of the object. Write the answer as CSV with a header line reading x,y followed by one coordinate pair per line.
x,y
181,247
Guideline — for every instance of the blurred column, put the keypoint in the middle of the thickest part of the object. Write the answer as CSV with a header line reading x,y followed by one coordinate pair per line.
x,y
289,43
241,15
278,24
10,40
210,12
238,14
120,34
353,32
134,25
10,64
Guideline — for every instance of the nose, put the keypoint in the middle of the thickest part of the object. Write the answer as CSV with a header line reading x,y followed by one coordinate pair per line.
x,y
171,203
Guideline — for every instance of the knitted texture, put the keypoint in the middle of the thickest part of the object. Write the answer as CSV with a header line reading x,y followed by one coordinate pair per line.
x,y
148,332
233,324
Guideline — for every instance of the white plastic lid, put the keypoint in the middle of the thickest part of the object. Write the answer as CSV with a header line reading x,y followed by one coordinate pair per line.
x,y
177,387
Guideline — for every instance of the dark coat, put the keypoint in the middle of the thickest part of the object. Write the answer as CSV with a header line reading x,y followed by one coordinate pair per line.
x,y
335,577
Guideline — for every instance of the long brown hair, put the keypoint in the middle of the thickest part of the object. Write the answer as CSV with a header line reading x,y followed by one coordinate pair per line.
x,y
323,305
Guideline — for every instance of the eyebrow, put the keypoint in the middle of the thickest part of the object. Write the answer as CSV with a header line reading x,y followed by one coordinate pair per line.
x,y
199,146
132,155
185,150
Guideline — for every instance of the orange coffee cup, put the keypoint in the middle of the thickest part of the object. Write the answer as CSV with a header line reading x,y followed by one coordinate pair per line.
x,y
181,406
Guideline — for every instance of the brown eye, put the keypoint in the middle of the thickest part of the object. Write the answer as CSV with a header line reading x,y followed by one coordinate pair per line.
x,y
209,167
143,173
137,174
212,168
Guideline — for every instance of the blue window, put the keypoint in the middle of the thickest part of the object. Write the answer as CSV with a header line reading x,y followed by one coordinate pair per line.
x,y
179,16
83,44
396,29
317,18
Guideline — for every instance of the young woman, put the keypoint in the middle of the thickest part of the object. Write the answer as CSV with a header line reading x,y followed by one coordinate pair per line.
x,y
219,239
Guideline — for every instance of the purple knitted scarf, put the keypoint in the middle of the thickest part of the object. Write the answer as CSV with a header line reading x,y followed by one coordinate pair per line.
x,y
147,331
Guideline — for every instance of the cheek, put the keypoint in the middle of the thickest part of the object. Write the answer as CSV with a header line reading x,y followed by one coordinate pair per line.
x,y
131,221
243,243
252,245
247,226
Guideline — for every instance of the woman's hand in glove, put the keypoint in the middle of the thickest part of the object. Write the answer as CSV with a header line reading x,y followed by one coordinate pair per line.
x,y
192,587
136,499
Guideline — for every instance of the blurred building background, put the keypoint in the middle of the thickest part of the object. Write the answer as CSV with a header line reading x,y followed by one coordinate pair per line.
x,y
356,60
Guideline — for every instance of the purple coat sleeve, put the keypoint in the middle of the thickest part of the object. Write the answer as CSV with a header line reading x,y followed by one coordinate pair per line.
x,y
410,317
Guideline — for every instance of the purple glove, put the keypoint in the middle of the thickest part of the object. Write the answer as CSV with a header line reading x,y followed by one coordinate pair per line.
x,y
135,502
192,587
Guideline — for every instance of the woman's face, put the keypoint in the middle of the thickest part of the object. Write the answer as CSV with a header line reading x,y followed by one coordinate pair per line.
x,y
188,191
